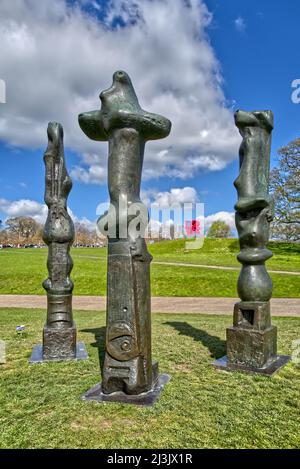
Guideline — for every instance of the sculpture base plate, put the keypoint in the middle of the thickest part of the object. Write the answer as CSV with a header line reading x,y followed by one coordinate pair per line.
x,y
144,399
37,354
269,370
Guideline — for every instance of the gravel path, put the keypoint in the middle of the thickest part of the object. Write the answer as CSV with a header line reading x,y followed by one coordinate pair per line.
x,y
162,304
219,267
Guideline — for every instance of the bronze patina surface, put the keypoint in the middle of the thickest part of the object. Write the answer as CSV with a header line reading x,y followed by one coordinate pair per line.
x,y
252,340
128,366
59,334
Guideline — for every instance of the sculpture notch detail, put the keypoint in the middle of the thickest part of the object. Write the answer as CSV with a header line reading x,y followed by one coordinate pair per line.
x,y
128,367
59,334
252,341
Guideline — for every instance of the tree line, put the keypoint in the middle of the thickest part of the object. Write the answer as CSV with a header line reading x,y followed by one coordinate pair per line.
x,y
284,187
285,190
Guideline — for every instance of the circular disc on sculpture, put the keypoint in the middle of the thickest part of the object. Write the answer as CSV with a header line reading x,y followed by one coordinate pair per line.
x,y
59,334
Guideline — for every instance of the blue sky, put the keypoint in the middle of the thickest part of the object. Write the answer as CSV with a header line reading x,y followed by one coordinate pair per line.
x,y
194,65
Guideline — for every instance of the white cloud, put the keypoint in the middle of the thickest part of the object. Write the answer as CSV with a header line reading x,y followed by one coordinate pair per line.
x,y
91,175
240,24
175,196
163,203
56,59
227,217
38,211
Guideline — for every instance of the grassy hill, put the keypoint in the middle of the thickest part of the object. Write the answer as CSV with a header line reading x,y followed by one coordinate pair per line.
x,y
23,270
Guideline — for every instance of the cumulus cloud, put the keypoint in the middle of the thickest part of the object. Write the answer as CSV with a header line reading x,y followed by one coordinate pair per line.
x,y
227,217
24,208
57,56
92,175
37,211
178,203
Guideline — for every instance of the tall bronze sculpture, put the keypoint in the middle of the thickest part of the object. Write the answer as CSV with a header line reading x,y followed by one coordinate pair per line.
x,y
128,374
59,334
252,341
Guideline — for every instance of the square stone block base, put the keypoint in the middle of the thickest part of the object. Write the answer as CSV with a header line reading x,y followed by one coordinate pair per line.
x,y
269,370
251,347
38,357
252,315
144,399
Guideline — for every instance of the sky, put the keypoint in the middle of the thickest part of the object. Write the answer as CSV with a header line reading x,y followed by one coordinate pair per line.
x,y
193,61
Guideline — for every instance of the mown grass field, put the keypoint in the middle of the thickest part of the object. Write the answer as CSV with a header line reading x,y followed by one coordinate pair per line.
x,y
40,405
23,270
223,252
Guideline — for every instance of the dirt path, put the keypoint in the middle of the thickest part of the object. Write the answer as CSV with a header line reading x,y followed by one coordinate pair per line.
x,y
219,267
201,266
162,304
179,264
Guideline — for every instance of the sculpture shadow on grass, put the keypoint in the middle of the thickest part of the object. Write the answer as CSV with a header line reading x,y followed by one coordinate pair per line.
x,y
99,334
233,246
215,345
283,248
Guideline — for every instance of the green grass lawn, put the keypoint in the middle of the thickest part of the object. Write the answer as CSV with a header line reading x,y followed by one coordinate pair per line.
x,y
23,270
223,252
40,405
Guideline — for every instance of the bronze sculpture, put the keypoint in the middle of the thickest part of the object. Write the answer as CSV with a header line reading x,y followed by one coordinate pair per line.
x,y
252,341
59,334
128,373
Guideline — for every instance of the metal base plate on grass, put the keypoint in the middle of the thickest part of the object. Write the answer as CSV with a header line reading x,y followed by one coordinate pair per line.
x,y
279,362
145,399
37,354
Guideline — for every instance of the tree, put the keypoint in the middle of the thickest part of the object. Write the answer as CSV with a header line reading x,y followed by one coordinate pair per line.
x,y
219,229
83,235
285,188
23,228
